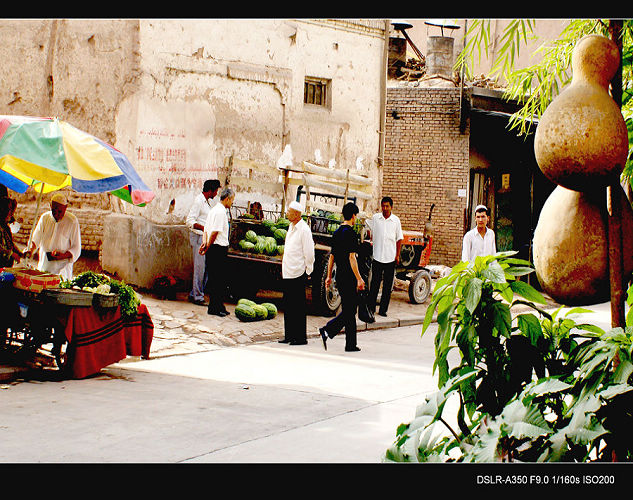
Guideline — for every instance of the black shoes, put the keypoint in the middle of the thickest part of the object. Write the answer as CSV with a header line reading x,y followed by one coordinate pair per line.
x,y
352,349
283,341
297,342
323,337
219,313
198,302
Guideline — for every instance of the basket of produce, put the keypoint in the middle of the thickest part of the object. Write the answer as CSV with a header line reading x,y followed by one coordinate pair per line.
x,y
105,291
81,298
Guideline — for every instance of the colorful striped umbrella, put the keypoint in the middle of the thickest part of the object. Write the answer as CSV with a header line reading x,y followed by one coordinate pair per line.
x,y
54,154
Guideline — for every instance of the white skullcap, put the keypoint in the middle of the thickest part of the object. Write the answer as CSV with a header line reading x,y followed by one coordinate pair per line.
x,y
478,207
60,198
295,205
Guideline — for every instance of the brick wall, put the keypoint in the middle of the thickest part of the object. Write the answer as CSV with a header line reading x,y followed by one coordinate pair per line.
x,y
90,210
425,162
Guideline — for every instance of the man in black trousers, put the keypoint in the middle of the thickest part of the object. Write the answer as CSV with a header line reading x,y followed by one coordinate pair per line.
x,y
215,245
297,263
348,280
386,236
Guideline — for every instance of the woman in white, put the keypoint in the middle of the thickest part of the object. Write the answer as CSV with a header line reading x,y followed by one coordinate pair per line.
x,y
58,239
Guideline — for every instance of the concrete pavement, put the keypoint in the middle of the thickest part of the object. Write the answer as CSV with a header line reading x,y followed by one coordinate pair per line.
x,y
254,403
224,393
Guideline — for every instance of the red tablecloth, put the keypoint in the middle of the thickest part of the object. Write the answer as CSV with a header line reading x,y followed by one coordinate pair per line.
x,y
100,338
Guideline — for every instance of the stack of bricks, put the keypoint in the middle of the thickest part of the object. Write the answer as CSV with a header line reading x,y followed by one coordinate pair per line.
x,y
90,210
425,162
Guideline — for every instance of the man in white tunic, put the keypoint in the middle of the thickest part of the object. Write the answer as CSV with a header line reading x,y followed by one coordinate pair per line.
x,y
57,239
386,239
195,221
480,240
296,265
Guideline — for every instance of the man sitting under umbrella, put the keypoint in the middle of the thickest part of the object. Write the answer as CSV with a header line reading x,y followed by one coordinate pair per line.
x,y
57,239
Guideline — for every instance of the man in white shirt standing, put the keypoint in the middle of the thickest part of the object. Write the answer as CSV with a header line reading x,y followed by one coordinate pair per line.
x,y
296,265
480,240
215,246
195,221
386,239
57,238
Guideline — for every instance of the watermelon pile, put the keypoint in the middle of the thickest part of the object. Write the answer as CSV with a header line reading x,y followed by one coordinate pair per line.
x,y
248,310
271,242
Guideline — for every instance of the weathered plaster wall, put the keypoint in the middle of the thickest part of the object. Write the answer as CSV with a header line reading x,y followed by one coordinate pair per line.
x,y
215,88
180,96
76,70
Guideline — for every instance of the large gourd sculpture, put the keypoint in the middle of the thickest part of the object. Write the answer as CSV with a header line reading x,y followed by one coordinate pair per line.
x,y
581,144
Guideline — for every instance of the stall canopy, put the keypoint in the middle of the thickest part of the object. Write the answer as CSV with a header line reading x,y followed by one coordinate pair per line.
x,y
50,154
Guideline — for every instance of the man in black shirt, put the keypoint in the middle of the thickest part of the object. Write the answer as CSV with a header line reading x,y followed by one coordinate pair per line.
x,y
348,280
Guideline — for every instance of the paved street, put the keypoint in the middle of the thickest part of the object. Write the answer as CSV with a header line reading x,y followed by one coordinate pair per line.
x,y
254,403
228,393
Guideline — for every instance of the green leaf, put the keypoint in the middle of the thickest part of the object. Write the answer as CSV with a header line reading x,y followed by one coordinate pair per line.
x,y
494,272
530,326
502,319
527,291
519,271
472,294
519,262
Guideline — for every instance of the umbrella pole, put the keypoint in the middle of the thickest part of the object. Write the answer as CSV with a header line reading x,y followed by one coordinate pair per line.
x,y
37,211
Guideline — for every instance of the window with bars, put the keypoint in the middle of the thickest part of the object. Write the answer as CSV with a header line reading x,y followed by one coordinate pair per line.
x,y
316,91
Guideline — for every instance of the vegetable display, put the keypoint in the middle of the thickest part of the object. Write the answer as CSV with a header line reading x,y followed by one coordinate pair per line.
x,y
90,281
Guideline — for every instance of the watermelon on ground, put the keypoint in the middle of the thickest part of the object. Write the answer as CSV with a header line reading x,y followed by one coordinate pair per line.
x,y
245,313
271,308
260,311
247,302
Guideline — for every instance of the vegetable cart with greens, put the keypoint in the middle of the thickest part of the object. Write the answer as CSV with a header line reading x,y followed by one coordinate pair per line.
x,y
37,309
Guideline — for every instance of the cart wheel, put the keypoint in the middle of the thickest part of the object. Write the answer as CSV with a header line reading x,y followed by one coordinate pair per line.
x,y
326,300
420,286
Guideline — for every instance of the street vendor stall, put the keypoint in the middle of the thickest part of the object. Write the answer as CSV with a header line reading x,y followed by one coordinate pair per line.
x,y
88,330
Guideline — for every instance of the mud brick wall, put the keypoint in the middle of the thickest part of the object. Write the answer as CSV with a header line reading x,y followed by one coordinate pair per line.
x,y
425,162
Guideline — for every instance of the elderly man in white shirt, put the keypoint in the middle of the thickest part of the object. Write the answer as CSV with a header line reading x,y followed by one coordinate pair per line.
x,y
386,239
215,246
297,263
480,240
58,239
195,221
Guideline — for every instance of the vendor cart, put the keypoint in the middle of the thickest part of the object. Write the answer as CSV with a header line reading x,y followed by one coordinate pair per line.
x,y
323,191
80,331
